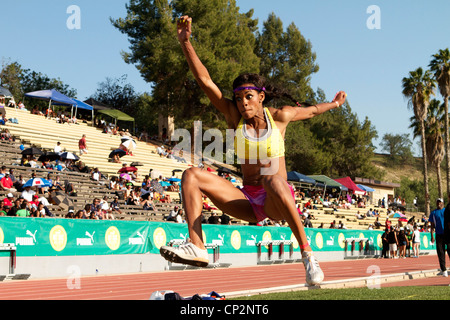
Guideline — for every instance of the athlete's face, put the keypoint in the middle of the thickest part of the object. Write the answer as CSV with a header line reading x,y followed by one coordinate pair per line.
x,y
249,102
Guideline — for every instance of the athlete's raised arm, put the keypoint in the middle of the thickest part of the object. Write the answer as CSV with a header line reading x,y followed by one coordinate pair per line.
x,y
201,74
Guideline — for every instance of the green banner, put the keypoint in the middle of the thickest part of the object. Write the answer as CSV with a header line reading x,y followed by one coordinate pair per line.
x,y
243,239
69,237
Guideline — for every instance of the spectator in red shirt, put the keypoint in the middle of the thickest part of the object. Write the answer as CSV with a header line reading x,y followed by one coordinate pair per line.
x,y
8,201
6,183
82,145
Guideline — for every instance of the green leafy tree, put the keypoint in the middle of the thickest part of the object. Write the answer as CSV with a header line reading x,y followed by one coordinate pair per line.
x,y
347,141
223,38
399,148
118,94
287,58
10,78
20,81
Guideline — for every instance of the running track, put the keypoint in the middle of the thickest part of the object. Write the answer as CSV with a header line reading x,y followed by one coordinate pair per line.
x,y
229,281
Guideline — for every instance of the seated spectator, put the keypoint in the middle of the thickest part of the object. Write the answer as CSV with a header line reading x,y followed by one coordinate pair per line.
x,y
58,184
132,198
341,225
106,209
377,224
80,215
49,112
6,135
206,206
93,216
306,222
115,207
359,216
19,183
3,171
8,202
96,175
21,106
70,214
95,206
23,211
28,194
12,212
6,184
143,136
32,163
214,218
179,216
42,212
3,209
225,219
147,204
173,214
160,150
57,149
69,188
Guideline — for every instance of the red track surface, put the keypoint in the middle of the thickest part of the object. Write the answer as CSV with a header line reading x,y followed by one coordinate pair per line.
x,y
189,282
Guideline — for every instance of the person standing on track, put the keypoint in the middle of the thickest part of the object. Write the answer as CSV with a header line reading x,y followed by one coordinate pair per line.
x,y
437,219
259,144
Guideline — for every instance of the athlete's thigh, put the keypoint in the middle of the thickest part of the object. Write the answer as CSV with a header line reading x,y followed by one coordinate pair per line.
x,y
272,205
225,196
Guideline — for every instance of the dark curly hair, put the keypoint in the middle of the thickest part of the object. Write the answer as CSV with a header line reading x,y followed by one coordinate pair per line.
x,y
271,91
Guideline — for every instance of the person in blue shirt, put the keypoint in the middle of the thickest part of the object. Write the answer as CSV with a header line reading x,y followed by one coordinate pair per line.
x,y
438,225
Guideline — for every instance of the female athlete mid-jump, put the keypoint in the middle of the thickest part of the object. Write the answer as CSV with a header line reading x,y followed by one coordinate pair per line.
x,y
259,144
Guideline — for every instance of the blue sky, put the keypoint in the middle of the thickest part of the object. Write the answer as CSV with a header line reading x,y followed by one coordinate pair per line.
x,y
368,64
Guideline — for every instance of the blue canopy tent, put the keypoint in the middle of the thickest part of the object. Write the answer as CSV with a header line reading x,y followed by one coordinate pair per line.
x,y
79,105
365,188
298,177
57,98
53,96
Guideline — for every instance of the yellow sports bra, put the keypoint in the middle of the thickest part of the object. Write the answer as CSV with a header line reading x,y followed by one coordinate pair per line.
x,y
269,145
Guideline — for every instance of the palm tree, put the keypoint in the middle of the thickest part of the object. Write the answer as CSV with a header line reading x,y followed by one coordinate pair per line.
x,y
434,140
440,66
418,88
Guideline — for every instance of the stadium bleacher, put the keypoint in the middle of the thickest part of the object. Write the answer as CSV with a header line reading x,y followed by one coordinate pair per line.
x,y
36,130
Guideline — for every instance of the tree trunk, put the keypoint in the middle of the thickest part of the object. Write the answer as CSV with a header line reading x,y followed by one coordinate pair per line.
x,y
425,169
447,145
439,180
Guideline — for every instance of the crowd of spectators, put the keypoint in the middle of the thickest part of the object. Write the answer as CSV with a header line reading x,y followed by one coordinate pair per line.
x,y
144,193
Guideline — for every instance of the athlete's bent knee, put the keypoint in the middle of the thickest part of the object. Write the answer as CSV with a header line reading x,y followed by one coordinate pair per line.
x,y
190,174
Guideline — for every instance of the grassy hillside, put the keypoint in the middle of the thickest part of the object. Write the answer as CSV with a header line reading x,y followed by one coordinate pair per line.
x,y
413,172
394,173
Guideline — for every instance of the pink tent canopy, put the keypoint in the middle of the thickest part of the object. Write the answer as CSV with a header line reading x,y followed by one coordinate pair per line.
x,y
351,186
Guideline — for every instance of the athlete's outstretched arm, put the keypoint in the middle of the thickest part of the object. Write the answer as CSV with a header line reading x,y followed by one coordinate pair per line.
x,y
288,113
201,74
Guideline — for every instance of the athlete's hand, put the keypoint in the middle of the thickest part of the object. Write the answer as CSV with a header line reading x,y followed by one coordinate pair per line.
x,y
340,98
184,29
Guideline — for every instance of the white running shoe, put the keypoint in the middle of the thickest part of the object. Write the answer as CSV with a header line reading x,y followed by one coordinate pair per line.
x,y
443,273
186,253
314,275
